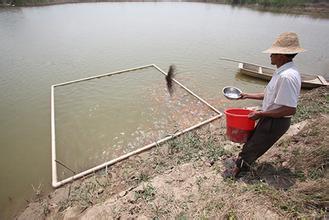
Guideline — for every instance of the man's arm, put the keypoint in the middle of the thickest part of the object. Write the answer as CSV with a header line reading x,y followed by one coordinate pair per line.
x,y
275,113
258,96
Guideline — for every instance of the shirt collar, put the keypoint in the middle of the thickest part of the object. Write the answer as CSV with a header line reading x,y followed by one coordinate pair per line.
x,y
284,67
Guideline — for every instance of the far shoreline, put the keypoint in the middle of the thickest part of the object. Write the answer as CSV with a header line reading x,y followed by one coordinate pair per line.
x,y
317,10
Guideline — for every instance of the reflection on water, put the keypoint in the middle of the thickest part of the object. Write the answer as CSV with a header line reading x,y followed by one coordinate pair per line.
x,y
42,46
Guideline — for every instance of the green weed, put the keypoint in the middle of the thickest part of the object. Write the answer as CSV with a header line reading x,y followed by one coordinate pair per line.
x,y
159,211
315,174
231,215
199,181
181,216
147,193
214,151
143,177
300,175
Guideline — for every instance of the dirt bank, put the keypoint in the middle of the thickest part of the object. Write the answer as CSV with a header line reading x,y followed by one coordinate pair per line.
x,y
183,179
314,9
318,10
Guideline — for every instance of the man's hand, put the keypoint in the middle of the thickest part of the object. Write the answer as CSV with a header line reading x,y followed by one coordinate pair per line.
x,y
255,115
243,96
258,96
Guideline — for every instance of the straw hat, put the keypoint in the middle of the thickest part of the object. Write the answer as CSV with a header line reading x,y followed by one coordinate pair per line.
x,y
286,43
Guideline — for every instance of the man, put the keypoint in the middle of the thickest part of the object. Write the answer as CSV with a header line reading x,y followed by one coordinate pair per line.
x,y
279,102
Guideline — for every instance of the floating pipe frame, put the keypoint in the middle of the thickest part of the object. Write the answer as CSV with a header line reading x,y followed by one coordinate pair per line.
x,y
56,183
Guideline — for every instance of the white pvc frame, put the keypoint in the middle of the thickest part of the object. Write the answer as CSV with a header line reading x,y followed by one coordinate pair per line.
x,y
56,183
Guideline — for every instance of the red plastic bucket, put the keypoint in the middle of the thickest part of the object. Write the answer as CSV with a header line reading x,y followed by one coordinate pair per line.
x,y
238,125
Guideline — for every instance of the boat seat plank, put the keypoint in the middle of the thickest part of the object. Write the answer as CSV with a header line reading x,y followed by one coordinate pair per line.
x,y
323,81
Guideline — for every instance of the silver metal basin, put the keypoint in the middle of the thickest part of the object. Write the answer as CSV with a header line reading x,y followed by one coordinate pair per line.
x,y
231,92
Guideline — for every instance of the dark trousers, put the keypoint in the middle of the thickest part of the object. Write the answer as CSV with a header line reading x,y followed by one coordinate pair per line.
x,y
266,133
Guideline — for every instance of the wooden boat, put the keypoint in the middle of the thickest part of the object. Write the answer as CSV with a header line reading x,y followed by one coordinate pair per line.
x,y
262,72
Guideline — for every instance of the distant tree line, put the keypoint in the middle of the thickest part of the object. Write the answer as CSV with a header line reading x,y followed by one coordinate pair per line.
x,y
264,3
6,2
275,3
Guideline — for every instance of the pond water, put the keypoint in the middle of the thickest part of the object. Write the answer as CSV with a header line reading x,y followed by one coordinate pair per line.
x,y
101,119
42,46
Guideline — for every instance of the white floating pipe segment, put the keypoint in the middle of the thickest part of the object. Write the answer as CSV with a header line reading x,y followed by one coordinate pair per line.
x,y
57,184
53,140
103,75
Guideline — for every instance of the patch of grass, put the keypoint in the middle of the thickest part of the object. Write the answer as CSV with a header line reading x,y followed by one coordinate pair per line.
x,y
64,204
214,151
181,216
312,162
160,166
192,147
318,173
147,193
259,187
215,206
199,181
286,203
290,207
185,148
278,198
84,199
143,177
159,211
86,194
231,182
316,194
311,104
284,144
180,145
45,207
299,174
296,152
231,215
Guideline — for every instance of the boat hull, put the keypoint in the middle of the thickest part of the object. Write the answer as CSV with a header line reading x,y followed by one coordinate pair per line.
x,y
265,73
